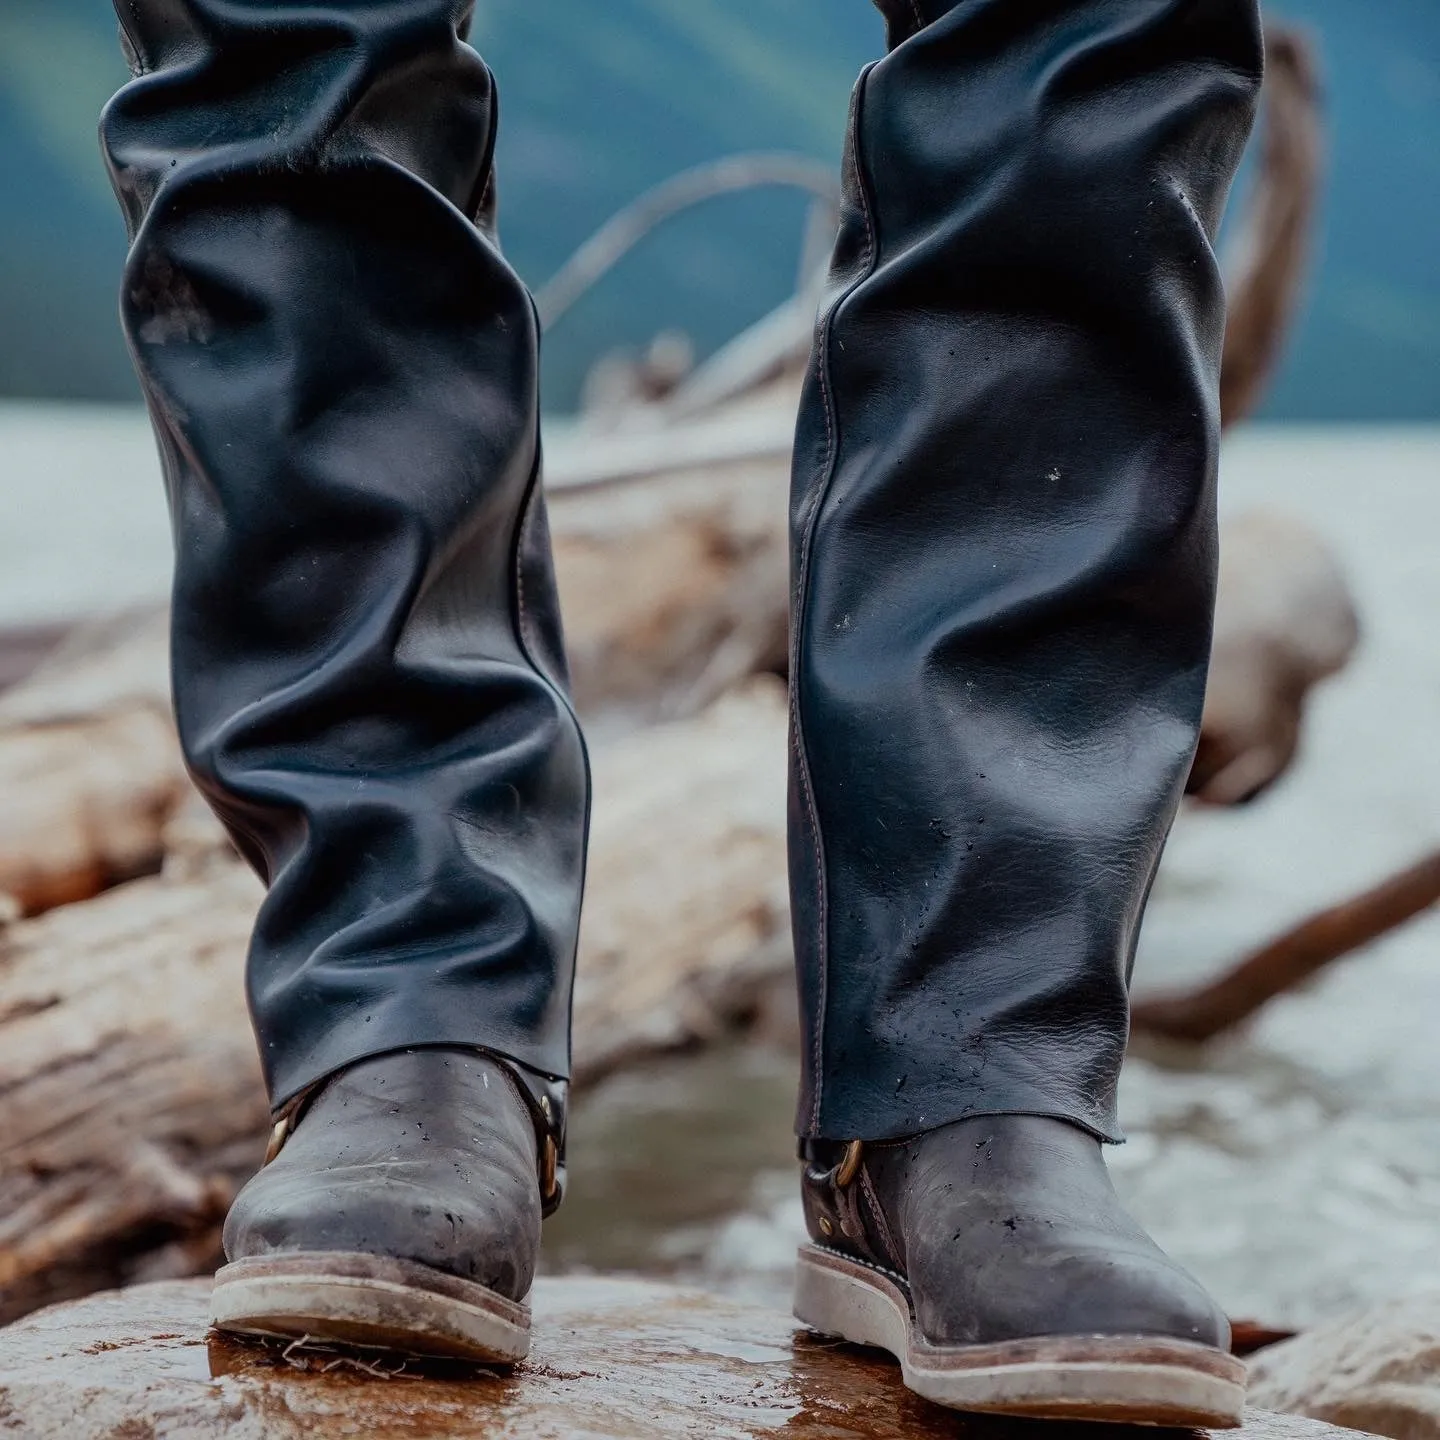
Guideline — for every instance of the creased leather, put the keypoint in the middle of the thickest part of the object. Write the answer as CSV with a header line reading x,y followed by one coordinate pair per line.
x,y
1004,547
1002,516
342,372
1007,1227
425,1155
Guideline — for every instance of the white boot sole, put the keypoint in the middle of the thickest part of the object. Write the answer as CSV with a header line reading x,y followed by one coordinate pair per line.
x,y
369,1302
1138,1379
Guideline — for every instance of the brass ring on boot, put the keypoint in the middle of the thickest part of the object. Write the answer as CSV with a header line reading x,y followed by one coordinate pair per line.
x,y
278,1136
849,1166
289,1118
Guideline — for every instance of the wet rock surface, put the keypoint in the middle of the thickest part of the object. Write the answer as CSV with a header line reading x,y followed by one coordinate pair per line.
x,y
612,1358
1375,1369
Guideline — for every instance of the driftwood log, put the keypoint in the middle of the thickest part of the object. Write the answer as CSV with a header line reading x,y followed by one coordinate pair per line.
x,y
89,768
128,1078
1284,621
1292,958
673,586
23,647
614,1359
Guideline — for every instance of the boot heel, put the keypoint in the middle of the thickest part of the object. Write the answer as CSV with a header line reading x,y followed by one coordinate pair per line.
x,y
838,1297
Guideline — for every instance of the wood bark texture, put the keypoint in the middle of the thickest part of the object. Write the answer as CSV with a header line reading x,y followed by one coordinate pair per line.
x,y
89,767
1284,621
673,587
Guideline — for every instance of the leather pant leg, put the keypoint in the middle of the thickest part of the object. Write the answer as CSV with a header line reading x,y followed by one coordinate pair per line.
x,y
1004,547
341,369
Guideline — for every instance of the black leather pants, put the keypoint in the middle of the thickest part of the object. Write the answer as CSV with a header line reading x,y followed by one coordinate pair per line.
x,y
1003,534
1004,541
342,372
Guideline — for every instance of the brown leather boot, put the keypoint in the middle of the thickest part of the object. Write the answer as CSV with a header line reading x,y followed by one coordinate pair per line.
x,y
402,1213
993,1258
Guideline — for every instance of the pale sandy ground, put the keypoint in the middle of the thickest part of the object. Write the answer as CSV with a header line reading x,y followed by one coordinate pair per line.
x,y
1301,1169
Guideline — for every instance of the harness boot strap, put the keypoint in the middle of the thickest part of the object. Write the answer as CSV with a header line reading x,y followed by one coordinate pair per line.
x,y
542,1095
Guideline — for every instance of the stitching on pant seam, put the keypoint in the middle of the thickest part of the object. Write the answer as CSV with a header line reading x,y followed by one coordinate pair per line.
x,y
832,448
532,493
812,813
526,639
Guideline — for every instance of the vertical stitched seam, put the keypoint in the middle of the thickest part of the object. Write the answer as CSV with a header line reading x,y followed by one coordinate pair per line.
x,y
517,561
812,813
530,652
562,695
832,448
887,1240
526,639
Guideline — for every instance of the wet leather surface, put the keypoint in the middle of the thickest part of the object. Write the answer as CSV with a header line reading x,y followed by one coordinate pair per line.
x,y
1007,1227
427,1155
1003,520
623,1360
341,368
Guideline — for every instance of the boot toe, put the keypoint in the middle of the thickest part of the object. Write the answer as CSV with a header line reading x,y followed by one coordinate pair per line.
x,y
489,1234
417,1155
1012,1230
1062,1289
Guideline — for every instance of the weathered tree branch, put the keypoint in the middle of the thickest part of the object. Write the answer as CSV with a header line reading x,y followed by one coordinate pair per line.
x,y
1292,958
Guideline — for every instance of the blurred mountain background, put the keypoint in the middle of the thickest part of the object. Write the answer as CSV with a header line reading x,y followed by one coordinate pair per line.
x,y
600,101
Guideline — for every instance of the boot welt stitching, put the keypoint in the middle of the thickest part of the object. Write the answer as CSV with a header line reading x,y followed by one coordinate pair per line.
x,y
879,1269
908,1295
